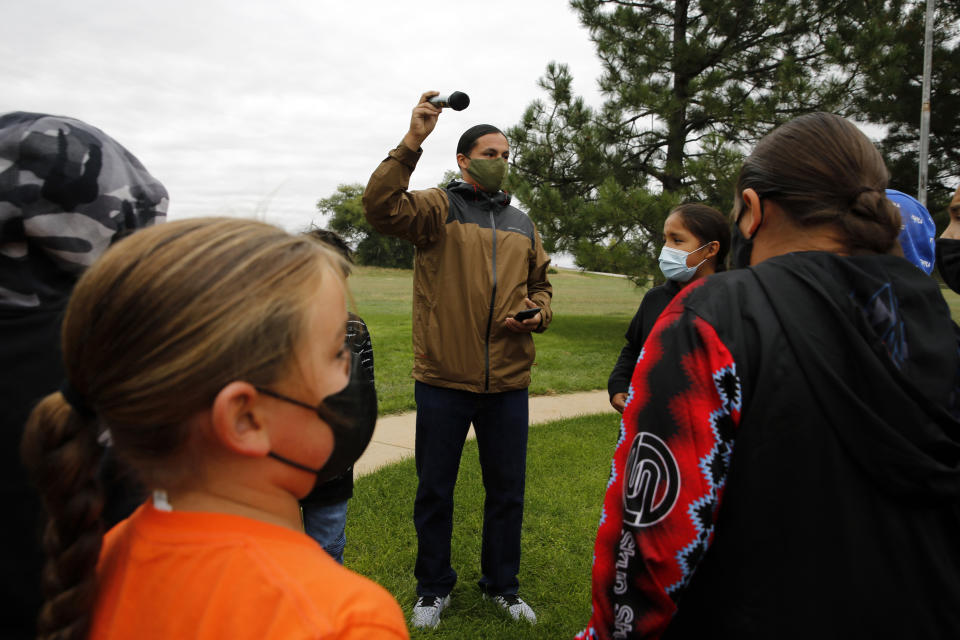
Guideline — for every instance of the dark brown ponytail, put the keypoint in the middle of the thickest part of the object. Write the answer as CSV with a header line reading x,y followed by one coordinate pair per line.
x,y
62,453
872,222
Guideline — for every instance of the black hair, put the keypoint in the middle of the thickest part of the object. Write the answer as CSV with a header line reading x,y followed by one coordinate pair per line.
x,y
707,225
332,240
469,138
821,169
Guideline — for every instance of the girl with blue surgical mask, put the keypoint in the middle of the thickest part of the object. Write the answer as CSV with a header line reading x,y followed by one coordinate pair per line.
x,y
696,241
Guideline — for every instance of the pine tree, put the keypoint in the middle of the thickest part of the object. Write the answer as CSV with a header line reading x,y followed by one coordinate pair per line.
x,y
689,86
890,94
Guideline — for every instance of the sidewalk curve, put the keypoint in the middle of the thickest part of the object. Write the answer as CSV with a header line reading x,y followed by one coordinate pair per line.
x,y
394,437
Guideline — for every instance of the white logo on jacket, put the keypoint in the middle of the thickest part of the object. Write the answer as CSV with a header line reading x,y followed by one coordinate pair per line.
x,y
651,482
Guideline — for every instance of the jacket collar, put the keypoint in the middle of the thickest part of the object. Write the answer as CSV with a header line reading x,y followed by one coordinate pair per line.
x,y
472,193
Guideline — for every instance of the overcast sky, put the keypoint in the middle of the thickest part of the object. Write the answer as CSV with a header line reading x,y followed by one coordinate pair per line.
x,y
242,106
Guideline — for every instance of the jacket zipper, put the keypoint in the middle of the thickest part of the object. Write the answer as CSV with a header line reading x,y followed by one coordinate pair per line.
x,y
493,297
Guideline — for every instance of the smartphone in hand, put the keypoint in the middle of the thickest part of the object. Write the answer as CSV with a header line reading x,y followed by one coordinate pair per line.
x,y
526,313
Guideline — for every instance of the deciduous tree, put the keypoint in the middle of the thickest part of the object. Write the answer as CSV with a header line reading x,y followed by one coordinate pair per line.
x,y
345,211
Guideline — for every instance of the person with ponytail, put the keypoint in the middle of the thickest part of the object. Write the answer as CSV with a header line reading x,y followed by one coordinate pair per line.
x,y
789,461
211,353
696,238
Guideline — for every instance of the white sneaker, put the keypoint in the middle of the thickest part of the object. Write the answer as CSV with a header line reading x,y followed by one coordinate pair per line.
x,y
426,612
516,607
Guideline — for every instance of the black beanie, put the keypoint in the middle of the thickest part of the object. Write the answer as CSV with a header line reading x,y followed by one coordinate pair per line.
x,y
471,135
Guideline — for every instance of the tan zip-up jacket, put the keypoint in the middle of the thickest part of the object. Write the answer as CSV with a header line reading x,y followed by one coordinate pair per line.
x,y
477,258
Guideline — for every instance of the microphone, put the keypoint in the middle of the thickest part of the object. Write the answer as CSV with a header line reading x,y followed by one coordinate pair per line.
x,y
458,101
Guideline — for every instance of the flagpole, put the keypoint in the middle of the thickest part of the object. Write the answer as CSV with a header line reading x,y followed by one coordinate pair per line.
x,y
925,107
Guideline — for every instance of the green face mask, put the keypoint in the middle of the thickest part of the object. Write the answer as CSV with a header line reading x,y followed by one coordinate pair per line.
x,y
488,172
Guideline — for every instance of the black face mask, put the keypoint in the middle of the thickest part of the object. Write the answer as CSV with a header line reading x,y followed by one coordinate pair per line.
x,y
741,247
351,414
948,262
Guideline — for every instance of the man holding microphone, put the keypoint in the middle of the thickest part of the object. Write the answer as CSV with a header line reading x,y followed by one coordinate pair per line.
x,y
479,262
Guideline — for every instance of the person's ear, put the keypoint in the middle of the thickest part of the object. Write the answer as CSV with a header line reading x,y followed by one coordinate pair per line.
x,y
237,419
713,248
462,161
752,213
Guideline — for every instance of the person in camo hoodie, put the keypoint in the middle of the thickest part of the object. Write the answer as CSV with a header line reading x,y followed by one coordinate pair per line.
x,y
67,192
479,261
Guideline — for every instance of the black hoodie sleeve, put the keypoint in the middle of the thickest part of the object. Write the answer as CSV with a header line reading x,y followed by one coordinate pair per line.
x,y
652,305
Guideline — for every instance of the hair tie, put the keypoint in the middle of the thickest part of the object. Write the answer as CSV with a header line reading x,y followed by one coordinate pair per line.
x,y
861,191
76,401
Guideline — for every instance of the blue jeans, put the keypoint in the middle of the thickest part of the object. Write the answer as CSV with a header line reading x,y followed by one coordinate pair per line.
x,y
500,421
327,525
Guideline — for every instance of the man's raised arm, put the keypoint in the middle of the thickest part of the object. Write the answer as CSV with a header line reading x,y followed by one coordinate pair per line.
x,y
416,216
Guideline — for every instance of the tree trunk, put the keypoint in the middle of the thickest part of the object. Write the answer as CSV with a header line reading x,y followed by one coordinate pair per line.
x,y
672,179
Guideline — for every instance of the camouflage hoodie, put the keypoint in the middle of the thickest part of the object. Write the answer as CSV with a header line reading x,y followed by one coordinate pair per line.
x,y
67,192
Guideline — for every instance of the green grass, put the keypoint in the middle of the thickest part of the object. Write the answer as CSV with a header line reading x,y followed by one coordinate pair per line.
x,y
557,543
576,353
953,301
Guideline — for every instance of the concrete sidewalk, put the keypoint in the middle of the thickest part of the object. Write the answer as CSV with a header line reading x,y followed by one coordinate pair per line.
x,y
394,437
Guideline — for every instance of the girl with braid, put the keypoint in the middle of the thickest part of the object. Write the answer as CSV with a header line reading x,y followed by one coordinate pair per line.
x,y
211,353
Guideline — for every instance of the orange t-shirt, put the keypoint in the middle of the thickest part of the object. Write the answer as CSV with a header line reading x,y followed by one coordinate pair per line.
x,y
182,574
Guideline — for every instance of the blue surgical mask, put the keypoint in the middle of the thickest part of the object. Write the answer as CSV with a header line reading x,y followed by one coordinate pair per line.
x,y
673,263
